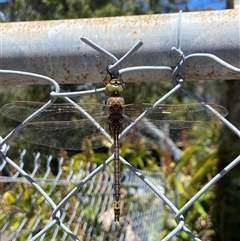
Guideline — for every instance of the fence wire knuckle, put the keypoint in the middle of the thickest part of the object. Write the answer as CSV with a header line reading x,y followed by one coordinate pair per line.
x,y
92,187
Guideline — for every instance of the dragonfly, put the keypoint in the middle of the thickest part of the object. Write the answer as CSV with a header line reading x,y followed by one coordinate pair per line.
x,y
63,126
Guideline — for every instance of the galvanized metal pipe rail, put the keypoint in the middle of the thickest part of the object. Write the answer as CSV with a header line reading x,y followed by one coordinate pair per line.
x,y
54,48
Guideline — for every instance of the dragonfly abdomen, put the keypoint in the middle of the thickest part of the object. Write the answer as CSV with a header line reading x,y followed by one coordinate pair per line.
x,y
115,105
116,173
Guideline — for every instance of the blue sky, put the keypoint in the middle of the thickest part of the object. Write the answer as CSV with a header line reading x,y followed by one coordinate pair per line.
x,y
215,4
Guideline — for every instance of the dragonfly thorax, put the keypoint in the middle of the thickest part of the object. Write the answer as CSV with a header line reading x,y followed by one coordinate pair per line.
x,y
115,106
115,101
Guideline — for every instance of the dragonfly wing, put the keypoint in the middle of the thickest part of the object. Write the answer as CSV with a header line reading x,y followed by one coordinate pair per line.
x,y
20,110
70,135
184,112
152,132
174,122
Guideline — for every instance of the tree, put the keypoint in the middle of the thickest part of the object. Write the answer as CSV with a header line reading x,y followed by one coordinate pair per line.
x,y
225,218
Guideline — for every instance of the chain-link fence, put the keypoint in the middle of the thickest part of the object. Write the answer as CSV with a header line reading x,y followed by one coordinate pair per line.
x,y
88,213
77,205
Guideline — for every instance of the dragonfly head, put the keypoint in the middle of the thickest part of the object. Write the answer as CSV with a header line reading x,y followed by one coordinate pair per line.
x,y
115,86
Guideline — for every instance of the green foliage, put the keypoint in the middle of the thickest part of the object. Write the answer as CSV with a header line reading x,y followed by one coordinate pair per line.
x,y
24,204
184,179
28,10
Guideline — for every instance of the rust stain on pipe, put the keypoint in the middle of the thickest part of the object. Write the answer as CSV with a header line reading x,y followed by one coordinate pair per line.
x,y
54,49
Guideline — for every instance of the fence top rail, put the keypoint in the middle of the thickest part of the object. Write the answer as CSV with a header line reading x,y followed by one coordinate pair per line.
x,y
54,48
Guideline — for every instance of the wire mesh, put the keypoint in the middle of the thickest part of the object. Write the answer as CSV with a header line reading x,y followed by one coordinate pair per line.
x,y
88,212
81,209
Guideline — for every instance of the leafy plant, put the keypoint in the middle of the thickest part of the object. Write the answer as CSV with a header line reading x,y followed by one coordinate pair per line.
x,y
184,179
